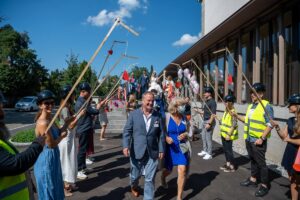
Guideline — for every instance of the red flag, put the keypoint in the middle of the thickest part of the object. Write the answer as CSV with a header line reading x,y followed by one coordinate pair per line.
x,y
125,76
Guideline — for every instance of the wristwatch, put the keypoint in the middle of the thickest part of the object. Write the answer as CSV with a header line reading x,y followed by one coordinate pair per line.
x,y
263,138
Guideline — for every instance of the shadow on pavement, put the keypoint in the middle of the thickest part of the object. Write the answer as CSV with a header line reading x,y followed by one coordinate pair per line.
x,y
107,156
195,182
118,193
102,178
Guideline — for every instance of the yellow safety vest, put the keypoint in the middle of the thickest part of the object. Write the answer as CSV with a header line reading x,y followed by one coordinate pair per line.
x,y
256,125
13,187
226,126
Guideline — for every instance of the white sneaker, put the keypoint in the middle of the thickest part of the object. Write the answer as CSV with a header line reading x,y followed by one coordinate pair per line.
x,y
81,175
88,161
207,157
202,153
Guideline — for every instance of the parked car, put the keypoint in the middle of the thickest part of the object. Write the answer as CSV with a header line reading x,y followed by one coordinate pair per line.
x,y
28,103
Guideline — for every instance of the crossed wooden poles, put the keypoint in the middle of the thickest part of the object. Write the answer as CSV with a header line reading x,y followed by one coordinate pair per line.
x,y
115,24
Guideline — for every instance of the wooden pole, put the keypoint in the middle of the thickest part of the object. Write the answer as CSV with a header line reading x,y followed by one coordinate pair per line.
x,y
102,81
252,89
83,72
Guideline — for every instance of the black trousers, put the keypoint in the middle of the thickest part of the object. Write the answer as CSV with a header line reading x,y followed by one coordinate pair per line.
x,y
83,145
258,161
227,147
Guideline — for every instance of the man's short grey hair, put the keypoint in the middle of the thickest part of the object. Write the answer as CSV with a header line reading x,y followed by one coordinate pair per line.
x,y
148,93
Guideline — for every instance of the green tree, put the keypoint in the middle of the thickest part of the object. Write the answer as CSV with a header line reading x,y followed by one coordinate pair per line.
x,y
138,71
20,71
74,69
55,82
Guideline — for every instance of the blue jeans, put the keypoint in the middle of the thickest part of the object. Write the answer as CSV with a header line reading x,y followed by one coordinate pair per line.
x,y
149,165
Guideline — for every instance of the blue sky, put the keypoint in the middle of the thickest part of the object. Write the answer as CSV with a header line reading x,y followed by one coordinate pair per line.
x,y
58,27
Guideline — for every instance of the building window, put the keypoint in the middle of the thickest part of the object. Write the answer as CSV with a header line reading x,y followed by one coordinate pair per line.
x,y
232,69
221,76
206,72
246,66
212,74
291,62
266,59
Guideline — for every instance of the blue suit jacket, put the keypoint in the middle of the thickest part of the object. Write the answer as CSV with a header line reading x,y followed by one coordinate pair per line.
x,y
138,140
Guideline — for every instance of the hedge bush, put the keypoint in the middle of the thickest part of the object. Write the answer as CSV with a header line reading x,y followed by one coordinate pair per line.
x,y
24,136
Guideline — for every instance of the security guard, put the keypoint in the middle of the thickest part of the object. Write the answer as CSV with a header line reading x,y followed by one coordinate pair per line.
x,y
229,132
257,129
14,183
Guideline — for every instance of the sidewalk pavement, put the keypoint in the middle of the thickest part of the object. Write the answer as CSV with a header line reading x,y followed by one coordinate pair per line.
x,y
109,177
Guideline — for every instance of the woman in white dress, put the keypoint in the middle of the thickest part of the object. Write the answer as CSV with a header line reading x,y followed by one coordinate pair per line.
x,y
68,146
153,84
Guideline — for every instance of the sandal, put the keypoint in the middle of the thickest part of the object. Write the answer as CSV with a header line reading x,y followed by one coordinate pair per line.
x,y
68,193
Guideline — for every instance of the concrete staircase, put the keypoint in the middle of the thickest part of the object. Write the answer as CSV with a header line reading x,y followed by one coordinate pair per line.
x,y
116,122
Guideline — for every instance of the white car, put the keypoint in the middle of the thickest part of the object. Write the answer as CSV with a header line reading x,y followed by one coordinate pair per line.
x,y
28,103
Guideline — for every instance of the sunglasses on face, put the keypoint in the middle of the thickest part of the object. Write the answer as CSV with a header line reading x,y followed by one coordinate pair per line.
x,y
48,103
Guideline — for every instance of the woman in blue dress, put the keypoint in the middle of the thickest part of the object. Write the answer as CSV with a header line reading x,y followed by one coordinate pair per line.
x,y
291,135
177,140
47,169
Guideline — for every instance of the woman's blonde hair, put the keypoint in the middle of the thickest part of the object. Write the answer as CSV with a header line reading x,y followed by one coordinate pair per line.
x,y
132,98
173,105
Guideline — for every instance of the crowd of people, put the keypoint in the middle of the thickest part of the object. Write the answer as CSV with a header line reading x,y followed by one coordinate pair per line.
x,y
157,135
149,139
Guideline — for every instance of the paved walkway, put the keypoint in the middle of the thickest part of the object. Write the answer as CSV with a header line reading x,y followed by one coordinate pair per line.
x,y
109,177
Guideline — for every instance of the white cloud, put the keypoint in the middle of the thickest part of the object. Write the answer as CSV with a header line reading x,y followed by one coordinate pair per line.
x,y
126,7
130,4
187,39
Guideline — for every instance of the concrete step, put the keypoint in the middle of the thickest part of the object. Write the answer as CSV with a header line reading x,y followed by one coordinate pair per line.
x,y
120,117
116,122
116,112
114,131
115,126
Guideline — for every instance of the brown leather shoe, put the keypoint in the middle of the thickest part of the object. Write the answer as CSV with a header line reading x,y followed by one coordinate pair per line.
x,y
134,192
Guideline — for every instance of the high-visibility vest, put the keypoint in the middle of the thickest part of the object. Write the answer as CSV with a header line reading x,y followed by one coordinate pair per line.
x,y
226,126
256,125
13,187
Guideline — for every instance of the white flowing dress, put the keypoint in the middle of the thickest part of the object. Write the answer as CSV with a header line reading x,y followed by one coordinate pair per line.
x,y
68,151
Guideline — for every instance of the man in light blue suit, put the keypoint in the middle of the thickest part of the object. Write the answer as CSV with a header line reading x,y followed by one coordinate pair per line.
x,y
144,142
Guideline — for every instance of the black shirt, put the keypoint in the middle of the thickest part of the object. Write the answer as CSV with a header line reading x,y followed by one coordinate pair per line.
x,y
211,103
187,109
85,122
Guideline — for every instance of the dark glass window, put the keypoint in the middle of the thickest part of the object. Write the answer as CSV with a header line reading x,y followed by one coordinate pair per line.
x,y
221,76
246,65
266,58
232,47
292,64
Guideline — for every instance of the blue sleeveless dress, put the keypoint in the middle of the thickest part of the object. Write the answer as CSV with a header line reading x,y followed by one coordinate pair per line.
x,y
174,156
47,172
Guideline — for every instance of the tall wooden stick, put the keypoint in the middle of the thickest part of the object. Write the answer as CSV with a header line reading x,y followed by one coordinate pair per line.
x,y
252,89
117,21
102,81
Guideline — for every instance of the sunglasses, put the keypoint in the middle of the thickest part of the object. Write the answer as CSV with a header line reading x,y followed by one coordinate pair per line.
x,y
48,103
